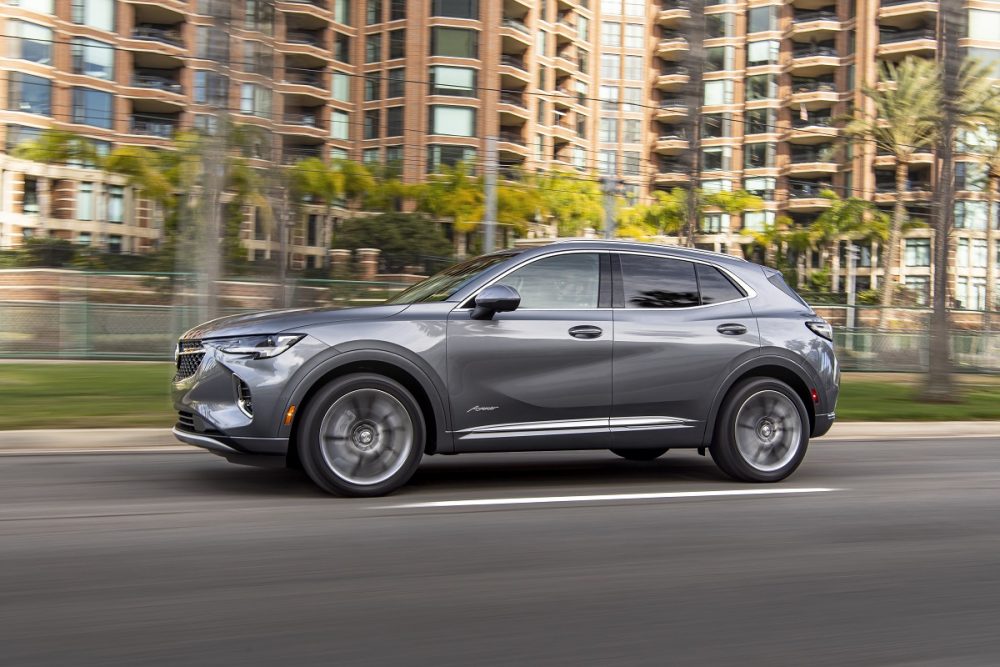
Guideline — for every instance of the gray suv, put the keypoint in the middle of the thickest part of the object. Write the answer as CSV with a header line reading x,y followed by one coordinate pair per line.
x,y
579,345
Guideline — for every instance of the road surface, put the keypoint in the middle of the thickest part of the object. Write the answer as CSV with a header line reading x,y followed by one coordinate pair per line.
x,y
184,559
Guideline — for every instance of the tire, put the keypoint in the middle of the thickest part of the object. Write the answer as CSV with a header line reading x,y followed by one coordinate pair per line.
x,y
762,432
362,435
641,454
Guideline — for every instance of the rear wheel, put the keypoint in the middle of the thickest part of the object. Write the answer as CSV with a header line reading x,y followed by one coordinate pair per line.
x,y
641,454
362,435
762,433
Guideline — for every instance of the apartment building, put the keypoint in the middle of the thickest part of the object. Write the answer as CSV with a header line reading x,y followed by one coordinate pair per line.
x,y
601,87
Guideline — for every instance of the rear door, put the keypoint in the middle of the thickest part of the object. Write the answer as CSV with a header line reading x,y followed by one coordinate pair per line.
x,y
680,327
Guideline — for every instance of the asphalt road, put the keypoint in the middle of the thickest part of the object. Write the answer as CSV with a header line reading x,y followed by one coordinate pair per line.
x,y
184,559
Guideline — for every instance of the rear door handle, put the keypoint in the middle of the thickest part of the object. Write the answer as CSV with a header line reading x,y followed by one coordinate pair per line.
x,y
731,329
586,331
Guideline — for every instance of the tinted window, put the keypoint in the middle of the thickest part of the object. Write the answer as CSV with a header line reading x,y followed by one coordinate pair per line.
x,y
656,282
716,287
563,281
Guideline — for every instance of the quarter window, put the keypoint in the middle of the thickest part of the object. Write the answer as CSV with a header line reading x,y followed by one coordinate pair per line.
x,y
714,286
569,281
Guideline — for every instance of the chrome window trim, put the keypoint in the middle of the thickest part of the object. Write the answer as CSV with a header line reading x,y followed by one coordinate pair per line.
x,y
750,292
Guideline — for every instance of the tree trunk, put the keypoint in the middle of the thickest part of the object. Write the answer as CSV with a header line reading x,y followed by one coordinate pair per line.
x,y
991,255
891,257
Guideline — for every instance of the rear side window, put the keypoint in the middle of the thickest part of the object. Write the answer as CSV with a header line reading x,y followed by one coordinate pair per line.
x,y
715,286
658,282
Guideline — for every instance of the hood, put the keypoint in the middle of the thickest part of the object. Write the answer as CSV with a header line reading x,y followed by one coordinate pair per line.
x,y
289,320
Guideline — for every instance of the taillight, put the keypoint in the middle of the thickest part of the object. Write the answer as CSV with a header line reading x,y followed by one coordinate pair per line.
x,y
821,328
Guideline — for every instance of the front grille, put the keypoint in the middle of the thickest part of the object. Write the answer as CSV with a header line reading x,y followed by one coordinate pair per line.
x,y
185,421
189,356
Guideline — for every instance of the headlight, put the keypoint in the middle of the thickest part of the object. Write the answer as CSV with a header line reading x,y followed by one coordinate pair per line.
x,y
255,347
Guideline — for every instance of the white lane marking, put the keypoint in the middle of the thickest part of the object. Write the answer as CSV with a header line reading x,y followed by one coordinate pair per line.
x,y
481,502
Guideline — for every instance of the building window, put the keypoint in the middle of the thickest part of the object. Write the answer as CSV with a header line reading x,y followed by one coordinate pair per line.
x,y
719,25
971,176
611,33
83,239
341,90
714,223
453,121
397,10
40,6
29,202
454,42
716,158
763,53
919,286
397,82
635,7
31,42
984,24
607,162
394,161
394,122
632,100
371,124
93,58
340,125
715,125
397,44
373,12
373,48
258,58
719,92
98,14
631,162
611,65
116,203
259,16
635,36
761,121
211,44
970,215
342,11
210,87
85,201
761,19
609,97
719,58
632,131
341,47
29,94
255,100
918,252
373,86
633,68
759,155
762,186
757,221
612,7
456,81
93,107
448,156
609,130
580,157
458,9
762,87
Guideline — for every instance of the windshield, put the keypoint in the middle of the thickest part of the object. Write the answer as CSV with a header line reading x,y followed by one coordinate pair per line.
x,y
442,285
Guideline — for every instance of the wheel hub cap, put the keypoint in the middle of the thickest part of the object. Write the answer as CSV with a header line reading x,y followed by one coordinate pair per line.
x,y
768,430
365,437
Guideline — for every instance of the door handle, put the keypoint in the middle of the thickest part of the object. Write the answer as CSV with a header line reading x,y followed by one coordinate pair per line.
x,y
586,331
731,329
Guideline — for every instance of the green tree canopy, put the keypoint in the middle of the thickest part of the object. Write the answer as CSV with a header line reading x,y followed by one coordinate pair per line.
x,y
405,239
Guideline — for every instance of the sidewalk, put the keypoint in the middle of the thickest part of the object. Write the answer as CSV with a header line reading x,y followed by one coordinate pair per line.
x,y
161,440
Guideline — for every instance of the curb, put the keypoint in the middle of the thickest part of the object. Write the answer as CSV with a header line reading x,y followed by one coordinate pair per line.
x,y
110,440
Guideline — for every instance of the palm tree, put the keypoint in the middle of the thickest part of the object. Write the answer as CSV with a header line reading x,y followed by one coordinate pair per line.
x,y
992,158
907,111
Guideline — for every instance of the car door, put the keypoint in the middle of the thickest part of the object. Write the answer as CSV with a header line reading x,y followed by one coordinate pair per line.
x,y
680,327
538,377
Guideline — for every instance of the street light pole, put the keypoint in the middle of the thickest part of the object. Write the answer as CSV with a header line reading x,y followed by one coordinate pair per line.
x,y
852,271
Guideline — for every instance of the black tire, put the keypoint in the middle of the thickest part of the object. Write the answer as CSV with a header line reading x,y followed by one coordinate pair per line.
x,y
641,454
383,424
770,440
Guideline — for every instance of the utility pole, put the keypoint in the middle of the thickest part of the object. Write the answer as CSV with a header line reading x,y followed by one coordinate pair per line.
x,y
490,184
939,382
694,96
609,187
852,273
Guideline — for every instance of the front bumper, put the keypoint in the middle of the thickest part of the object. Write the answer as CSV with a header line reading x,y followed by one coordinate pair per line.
x,y
225,447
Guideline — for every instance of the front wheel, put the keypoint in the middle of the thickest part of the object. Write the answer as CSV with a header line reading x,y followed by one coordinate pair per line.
x,y
362,435
641,454
762,433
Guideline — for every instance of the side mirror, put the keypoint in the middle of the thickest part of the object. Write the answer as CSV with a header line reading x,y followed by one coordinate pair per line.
x,y
495,299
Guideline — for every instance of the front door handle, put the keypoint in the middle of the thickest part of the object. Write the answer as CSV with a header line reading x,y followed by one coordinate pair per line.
x,y
731,329
586,331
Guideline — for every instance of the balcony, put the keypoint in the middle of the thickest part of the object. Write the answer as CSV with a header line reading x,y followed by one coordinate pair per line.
x,y
671,172
303,118
509,137
305,37
817,25
672,77
565,63
923,156
807,197
815,161
305,77
672,45
813,94
916,190
156,81
164,34
513,72
161,128
566,29
813,59
672,143
511,145
672,108
896,44
814,129
896,11
513,109
517,62
304,6
673,13
515,37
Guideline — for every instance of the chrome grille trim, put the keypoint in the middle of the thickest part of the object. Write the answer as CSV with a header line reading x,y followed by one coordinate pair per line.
x,y
189,356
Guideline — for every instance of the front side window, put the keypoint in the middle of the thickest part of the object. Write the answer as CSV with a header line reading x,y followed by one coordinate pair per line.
x,y
454,42
570,281
92,107
442,285
659,282
31,42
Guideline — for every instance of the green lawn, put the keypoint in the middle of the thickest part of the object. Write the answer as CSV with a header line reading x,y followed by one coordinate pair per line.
x,y
103,395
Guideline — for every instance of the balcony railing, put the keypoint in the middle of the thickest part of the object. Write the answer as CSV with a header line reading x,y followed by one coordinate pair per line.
x,y
891,3
302,37
672,101
814,87
512,138
812,51
675,4
513,61
671,70
508,97
304,77
894,37
812,121
315,3
671,166
816,155
807,190
815,15
508,22
911,186
668,35
156,82
155,128
158,33
303,118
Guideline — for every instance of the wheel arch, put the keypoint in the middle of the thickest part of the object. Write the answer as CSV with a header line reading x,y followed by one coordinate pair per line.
x,y
776,367
381,362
